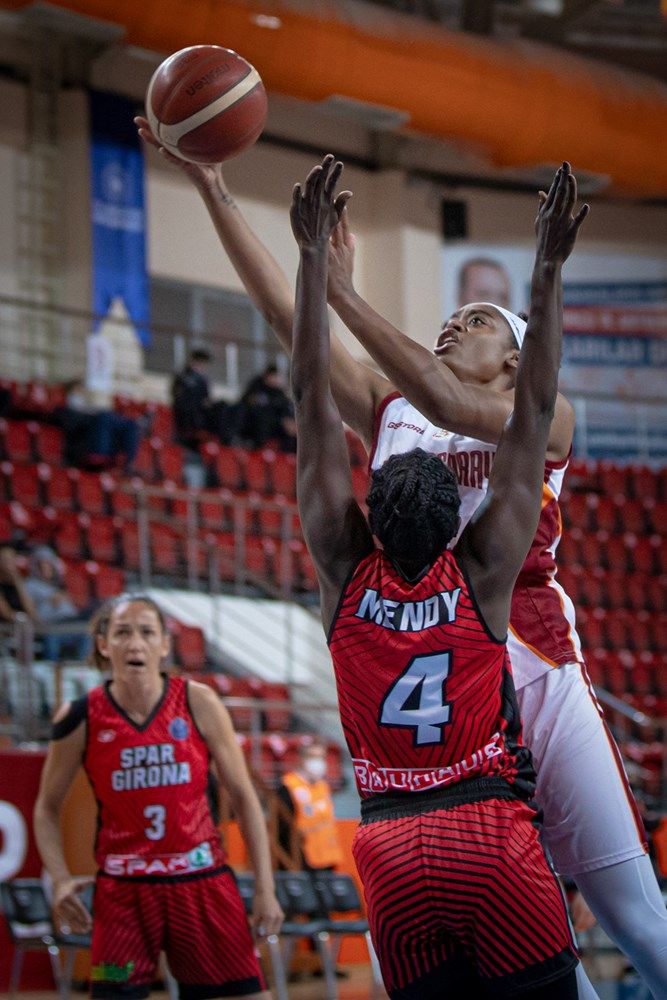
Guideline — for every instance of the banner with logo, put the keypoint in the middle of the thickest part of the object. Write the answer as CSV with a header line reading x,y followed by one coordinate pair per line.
x,y
615,337
118,210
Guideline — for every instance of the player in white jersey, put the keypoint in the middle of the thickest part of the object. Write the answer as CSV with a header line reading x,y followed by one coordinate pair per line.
x,y
466,386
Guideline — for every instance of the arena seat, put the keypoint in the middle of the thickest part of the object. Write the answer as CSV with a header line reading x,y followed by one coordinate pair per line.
x,y
613,479
77,582
70,541
633,515
168,460
91,492
284,476
22,483
48,442
105,581
258,471
568,552
360,483
144,460
577,511
102,537
189,646
16,440
57,486
604,512
165,549
643,483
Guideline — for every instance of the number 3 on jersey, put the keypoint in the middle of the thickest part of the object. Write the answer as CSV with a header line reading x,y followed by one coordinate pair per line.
x,y
157,816
417,699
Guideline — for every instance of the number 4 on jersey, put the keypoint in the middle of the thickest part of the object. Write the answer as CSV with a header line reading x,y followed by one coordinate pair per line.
x,y
416,699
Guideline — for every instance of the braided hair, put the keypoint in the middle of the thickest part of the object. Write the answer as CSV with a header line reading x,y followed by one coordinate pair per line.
x,y
413,506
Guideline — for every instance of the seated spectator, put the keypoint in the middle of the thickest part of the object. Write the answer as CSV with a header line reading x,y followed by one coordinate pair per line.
x,y
266,414
52,605
195,413
94,435
14,597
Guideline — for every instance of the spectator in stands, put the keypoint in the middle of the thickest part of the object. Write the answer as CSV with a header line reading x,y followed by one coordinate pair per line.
x,y
307,830
52,605
14,598
195,413
266,413
96,435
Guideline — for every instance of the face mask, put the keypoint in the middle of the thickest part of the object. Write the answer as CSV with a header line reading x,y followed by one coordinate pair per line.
x,y
315,767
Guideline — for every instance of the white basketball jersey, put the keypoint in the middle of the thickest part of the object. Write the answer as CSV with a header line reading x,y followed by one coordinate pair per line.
x,y
542,633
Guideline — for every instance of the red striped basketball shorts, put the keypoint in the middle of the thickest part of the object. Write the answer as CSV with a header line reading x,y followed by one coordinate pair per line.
x,y
200,924
463,898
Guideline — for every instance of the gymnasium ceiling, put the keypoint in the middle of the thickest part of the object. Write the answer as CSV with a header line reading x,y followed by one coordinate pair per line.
x,y
488,93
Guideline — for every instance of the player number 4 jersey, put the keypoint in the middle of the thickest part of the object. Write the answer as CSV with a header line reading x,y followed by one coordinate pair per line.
x,y
150,783
425,692
542,623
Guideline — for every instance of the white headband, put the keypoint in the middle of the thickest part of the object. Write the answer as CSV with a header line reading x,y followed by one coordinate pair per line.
x,y
517,325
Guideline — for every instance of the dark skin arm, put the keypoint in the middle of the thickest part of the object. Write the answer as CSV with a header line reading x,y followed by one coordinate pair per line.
x,y
334,527
357,389
495,543
474,410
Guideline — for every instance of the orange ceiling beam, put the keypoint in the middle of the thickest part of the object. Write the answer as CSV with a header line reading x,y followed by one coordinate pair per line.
x,y
522,103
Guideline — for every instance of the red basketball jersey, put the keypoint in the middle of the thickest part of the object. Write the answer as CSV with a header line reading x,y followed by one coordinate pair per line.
x,y
150,783
425,692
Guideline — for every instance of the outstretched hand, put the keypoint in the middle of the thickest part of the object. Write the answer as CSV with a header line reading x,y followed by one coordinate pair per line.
x,y
556,227
316,210
341,257
204,175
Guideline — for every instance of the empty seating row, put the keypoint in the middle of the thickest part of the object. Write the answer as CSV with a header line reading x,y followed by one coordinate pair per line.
x,y
636,482
597,587
621,629
628,552
592,512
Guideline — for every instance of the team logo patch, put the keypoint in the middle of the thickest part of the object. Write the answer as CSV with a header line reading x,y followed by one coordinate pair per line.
x,y
441,434
106,735
201,856
179,729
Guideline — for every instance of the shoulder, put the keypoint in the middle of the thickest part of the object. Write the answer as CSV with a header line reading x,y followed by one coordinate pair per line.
x,y
205,705
70,717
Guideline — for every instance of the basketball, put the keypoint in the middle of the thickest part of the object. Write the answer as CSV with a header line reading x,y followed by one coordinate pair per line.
x,y
206,104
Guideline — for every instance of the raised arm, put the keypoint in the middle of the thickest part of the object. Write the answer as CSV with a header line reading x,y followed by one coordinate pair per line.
x,y
476,411
495,543
334,527
356,387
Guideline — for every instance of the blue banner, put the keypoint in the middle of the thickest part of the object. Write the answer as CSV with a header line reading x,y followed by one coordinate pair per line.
x,y
118,210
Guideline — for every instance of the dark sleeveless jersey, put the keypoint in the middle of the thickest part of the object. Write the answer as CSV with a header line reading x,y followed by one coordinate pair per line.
x,y
425,692
150,783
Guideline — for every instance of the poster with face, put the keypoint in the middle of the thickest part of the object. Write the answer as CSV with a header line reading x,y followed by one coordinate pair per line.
x,y
615,337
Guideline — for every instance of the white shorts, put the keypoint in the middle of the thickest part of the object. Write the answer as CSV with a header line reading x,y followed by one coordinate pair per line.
x,y
590,816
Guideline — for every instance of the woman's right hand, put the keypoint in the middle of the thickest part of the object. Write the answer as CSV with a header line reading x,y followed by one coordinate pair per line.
x,y
71,915
206,176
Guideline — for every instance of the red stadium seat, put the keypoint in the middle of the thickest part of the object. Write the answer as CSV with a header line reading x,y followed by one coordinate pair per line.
x,y
645,553
189,646
284,476
106,581
616,584
165,549
569,548
657,517
123,503
228,464
596,662
577,512
613,479
23,483
58,486
594,551
617,631
48,443
161,425
604,513
16,440
618,553
77,583
592,591
582,474
91,492
632,516
258,471
275,719
20,518
643,483
169,460
144,461
71,539
103,538
130,546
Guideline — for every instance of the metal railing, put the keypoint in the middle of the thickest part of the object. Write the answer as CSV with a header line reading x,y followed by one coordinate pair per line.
x,y
640,434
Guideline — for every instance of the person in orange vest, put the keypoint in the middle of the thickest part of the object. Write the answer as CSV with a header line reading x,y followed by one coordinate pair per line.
x,y
306,795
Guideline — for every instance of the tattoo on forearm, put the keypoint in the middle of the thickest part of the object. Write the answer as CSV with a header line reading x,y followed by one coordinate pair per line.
x,y
227,199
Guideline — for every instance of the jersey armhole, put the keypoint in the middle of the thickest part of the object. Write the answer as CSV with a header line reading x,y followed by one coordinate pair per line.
x,y
78,712
343,589
478,610
194,717
379,413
